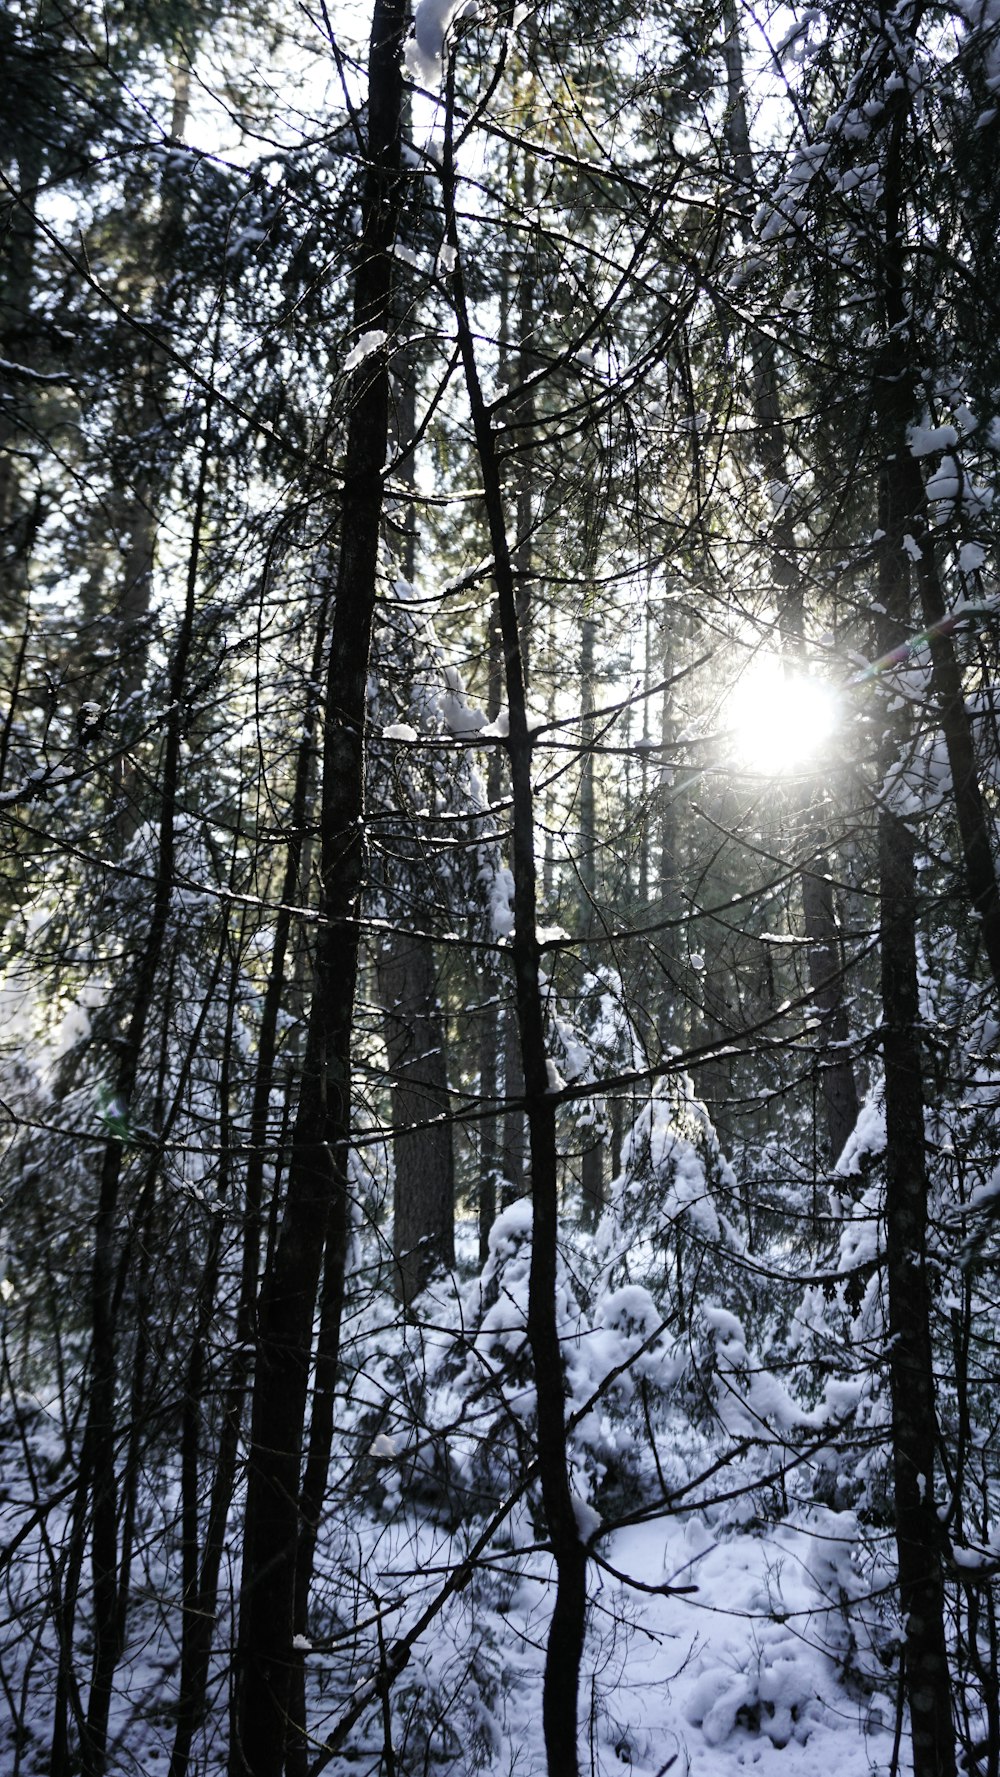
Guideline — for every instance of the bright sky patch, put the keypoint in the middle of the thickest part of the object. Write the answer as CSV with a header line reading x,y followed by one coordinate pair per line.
x,y
779,720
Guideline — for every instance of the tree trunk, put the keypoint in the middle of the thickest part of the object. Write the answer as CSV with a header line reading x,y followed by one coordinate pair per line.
x,y
489,1092
911,1359
592,1156
316,1210
826,963
974,823
566,1630
522,361
406,971
98,1464
523,417
141,508
666,943
18,520
515,1131
911,1363
490,1058
423,1233
198,1622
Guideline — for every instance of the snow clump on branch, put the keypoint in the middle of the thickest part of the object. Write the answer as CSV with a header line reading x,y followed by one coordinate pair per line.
x,y
424,58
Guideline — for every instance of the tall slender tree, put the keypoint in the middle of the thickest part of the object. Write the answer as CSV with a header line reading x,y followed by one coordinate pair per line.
x,y
316,1213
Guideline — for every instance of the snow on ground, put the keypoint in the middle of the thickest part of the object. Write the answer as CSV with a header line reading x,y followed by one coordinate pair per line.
x,y
750,1671
778,1658
742,1672
758,1669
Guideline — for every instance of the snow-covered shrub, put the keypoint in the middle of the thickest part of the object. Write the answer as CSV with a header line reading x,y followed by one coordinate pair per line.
x,y
487,1391
809,1627
766,1686
669,1232
590,1037
673,1211
443,1402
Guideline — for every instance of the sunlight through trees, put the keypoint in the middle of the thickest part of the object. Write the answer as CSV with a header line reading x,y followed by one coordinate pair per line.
x,y
499,1015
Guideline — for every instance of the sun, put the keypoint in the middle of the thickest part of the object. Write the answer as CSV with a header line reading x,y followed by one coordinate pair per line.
x,y
778,719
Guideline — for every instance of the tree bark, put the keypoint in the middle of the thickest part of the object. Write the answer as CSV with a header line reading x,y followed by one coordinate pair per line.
x,y
141,508
911,1362
514,1156
592,1156
316,1210
489,1087
423,1232
566,1631
667,1028
407,976
18,518
911,1358
490,1059
974,823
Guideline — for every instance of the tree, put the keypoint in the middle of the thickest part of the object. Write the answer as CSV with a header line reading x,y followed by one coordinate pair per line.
x,y
485,435
315,1215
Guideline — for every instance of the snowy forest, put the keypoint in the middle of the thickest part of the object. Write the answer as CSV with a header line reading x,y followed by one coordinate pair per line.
x,y
500,991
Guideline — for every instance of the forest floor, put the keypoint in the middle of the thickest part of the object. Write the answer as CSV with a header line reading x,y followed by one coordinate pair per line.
x,y
756,1632
758,1666
754,1669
